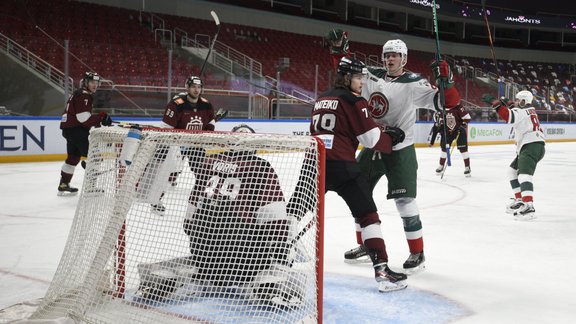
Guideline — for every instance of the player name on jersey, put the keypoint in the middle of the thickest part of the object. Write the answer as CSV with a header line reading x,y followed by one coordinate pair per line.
x,y
326,104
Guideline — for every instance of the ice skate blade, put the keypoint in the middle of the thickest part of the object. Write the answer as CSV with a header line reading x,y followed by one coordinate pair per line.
x,y
66,193
364,259
524,218
387,286
415,270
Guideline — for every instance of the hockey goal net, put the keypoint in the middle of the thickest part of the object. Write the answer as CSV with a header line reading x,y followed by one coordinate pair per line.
x,y
195,227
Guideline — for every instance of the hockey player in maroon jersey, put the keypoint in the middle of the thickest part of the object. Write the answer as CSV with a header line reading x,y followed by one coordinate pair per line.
x,y
456,129
341,118
457,121
238,229
337,41
188,111
75,124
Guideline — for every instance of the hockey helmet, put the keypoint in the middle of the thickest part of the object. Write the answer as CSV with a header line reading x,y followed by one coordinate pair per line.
x,y
350,65
90,76
193,80
396,46
524,98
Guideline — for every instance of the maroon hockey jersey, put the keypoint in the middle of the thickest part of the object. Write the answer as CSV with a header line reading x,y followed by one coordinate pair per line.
x,y
78,111
342,120
455,117
183,114
239,217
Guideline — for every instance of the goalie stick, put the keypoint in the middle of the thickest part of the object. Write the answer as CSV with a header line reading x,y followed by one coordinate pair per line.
x,y
441,83
217,21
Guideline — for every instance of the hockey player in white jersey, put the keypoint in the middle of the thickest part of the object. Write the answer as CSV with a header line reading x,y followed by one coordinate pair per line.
x,y
530,142
394,95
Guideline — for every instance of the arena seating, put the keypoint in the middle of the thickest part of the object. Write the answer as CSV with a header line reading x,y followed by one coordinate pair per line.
x,y
115,43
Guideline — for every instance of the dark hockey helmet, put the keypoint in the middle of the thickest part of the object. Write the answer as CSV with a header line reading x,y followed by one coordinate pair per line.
x,y
193,80
350,65
90,76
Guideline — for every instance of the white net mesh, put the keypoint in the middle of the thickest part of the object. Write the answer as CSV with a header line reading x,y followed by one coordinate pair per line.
x,y
201,227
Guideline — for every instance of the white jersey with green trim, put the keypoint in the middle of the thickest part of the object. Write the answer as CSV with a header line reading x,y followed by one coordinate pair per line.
x,y
394,101
526,126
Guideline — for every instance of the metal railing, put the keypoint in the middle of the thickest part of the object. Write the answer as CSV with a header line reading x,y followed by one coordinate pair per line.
x,y
229,56
34,63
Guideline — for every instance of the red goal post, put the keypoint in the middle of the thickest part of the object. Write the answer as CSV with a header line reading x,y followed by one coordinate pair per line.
x,y
240,239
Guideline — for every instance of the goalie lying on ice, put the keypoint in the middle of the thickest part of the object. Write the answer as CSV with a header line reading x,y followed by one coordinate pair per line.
x,y
241,237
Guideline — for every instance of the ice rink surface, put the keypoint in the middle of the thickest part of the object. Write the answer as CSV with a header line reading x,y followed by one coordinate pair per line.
x,y
482,266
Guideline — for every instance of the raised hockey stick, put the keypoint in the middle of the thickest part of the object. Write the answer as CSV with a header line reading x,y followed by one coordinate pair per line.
x,y
217,21
492,51
441,83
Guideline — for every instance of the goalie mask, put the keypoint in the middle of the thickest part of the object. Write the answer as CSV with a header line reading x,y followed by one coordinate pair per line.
x,y
396,46
524,98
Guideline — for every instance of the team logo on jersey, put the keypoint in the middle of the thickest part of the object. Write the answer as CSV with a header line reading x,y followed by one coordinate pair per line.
x,y
195,123
450,121
378,105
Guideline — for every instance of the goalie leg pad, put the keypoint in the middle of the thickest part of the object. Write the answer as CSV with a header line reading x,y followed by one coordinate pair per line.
x,y
277,285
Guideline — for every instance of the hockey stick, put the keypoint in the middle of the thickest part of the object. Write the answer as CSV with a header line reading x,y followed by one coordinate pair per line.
x,y
441,83
127,124
451,150
217,21
500,90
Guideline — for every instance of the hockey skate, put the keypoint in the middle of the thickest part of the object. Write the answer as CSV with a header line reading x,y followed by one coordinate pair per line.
x,y
357,255
514,206
158,208
439,170
387,279
525,212
415,263
467,173
64,189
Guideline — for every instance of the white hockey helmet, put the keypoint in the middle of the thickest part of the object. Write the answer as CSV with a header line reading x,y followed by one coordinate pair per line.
x,y
524,98
396,46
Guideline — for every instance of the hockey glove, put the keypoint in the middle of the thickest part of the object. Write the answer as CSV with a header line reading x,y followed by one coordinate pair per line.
x,y
396,134
105,119
493,102
442,73
221,114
